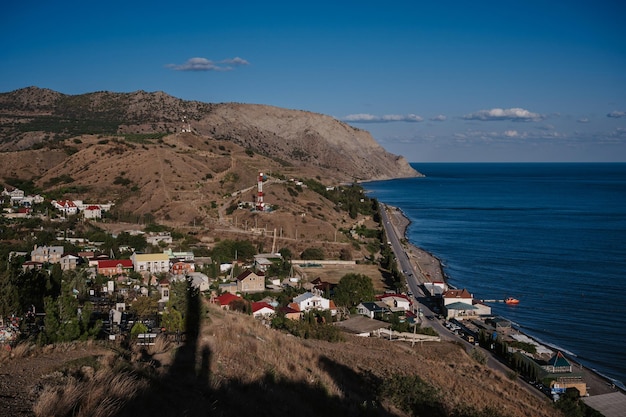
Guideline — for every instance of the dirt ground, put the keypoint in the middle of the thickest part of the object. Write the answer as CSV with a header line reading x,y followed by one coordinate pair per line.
x,y
333,273
20,376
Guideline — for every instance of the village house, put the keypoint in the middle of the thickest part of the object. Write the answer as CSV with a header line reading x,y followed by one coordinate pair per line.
x,y
92,212
197,280
15,194
291,312
261,309
396,302
150,262
249,281
69,262
67,207
183,267
373,309
458,304
224,300
313,301
112,267
50,254
156,238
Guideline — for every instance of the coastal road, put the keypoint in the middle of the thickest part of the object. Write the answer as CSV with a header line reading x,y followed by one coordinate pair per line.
x,y
415,278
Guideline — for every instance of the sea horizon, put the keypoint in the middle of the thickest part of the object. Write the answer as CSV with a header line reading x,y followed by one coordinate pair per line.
x,y
550,234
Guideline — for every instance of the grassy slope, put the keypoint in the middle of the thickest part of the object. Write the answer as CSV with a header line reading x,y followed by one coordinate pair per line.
x,y
236,366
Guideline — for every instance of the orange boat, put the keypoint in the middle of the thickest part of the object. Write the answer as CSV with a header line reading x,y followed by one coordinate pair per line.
x,y
511,300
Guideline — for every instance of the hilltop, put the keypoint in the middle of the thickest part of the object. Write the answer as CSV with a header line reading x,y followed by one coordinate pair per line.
x,y
185,163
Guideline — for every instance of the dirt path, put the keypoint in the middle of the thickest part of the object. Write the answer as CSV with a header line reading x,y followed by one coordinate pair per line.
x,y
19,377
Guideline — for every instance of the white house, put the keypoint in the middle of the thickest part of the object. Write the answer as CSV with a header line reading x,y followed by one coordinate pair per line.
x,y
92,212
69,262
67,207
457,296
313,301
396,302
262,309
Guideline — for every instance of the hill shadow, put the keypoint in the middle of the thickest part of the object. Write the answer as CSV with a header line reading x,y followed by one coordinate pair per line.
x,y
186,388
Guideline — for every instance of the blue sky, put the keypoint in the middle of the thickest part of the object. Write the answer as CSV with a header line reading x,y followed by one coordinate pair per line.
x,y
433,81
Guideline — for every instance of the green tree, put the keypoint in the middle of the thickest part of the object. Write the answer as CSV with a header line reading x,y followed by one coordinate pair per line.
x,y
353,289
227,250
172,320
312,254
145,307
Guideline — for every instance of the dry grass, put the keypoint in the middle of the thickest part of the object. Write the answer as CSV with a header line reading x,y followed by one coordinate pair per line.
x,y
236,357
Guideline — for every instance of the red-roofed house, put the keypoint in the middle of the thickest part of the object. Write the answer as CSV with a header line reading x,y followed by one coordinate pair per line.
x,y
93,212
262,309
111,267
457,296
225,299
65,206
291,312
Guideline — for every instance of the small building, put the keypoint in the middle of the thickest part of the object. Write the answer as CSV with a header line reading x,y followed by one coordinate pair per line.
x,y
183,267
262,309
226,299
558,364
112,267
454,296
157,238
69,262
373,309
199,280
396,302
67,207
92,212
459,310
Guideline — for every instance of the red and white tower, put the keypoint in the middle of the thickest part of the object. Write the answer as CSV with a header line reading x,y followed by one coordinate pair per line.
x,y
260,205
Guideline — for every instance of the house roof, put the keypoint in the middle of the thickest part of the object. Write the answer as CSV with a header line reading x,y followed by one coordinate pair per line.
x,y
374,306
393,296
259,305
457,294
93,208
460,306
226,298
64,203
558,361
144,257
113,263
247,273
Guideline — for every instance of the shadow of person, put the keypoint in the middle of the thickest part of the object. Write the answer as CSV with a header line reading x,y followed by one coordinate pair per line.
x,y
184,388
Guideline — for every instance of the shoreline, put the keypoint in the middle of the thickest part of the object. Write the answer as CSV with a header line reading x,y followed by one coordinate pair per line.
x,y
432,270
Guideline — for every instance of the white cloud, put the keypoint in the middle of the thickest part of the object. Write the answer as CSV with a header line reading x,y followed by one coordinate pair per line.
x,y
370,118
583,120
515,114
203,64
438,118
511,133
617,114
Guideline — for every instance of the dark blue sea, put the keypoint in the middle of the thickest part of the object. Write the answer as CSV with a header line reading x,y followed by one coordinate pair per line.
x,y
551,235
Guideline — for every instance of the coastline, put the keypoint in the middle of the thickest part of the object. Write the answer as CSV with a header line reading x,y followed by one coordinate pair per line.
x,y
425,262
432,270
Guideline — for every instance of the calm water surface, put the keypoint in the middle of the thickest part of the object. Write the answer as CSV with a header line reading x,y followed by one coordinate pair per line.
x,y
552,235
